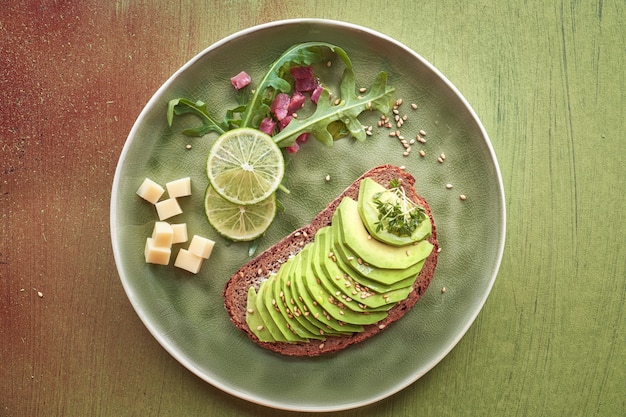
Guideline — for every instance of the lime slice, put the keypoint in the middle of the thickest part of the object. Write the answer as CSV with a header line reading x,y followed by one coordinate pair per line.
x,y
237,222
245,166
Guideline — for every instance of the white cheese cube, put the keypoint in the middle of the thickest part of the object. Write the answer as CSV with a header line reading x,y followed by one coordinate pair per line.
x,y
163,234
150,191
180,233
201,246
179,188
156,254
168,208
188,261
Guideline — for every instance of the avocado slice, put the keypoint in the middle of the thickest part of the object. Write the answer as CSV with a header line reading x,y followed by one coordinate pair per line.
x,y
347,261
261,308
288,306
280,320
302,274
346,288
369,191
383,276
372,251
314,323
254,320
343,297
332,305
354,286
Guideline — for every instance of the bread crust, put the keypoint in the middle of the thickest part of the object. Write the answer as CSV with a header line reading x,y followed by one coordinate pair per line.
x,y
270,260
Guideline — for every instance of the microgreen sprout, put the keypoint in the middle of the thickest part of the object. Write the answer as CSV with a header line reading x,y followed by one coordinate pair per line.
x,y
397,213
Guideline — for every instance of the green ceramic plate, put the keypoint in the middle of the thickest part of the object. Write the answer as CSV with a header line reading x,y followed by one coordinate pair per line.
x,y
185,313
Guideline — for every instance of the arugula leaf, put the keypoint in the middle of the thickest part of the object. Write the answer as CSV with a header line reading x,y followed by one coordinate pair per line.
x,y
180,106
274,82
323,122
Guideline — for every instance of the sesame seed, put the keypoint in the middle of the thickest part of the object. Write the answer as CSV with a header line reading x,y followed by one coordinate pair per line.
x,y
188,147
422,153
443,289
362,90
381,326
440,160
463,197
443,156
448,186
329,63
327,178
423,133
439,249
414,106
259,328
250,311
321,346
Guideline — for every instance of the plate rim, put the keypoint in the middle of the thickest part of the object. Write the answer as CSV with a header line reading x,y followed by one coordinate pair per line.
x,y
189,364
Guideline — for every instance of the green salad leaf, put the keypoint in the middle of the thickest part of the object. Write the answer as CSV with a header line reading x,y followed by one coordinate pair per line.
x,y
274,82
328,122
322,124
180,106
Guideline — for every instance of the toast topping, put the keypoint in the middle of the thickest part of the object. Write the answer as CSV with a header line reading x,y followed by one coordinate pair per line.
x,y
347,277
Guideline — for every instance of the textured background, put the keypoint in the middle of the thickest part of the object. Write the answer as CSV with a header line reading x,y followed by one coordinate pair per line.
x,y
547,80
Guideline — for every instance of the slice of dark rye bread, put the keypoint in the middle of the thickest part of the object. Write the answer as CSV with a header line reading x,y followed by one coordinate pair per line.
x,y
270,260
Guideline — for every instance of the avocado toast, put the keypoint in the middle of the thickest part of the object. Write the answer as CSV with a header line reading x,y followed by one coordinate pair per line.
x,y
339,285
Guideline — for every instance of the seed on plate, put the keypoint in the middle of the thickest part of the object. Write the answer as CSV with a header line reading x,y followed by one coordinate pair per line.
x,y
188,147
423,133
362,90
414,106
422,153
440,160
443,156
448,186
327,178
463,197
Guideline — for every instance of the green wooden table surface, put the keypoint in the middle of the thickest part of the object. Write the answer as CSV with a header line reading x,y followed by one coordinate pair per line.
x,y
547,79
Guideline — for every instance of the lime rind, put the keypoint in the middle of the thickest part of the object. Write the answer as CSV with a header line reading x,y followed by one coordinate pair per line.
x,y
245,166
236,222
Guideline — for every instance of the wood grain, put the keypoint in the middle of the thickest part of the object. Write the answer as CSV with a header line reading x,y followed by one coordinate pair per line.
x,y
546,78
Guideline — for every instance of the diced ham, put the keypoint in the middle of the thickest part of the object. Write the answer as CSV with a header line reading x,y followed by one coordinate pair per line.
x,y
296,102
303,137
279,106
293,148
240,80
284,122
267,125
315,95
300,73
306,85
